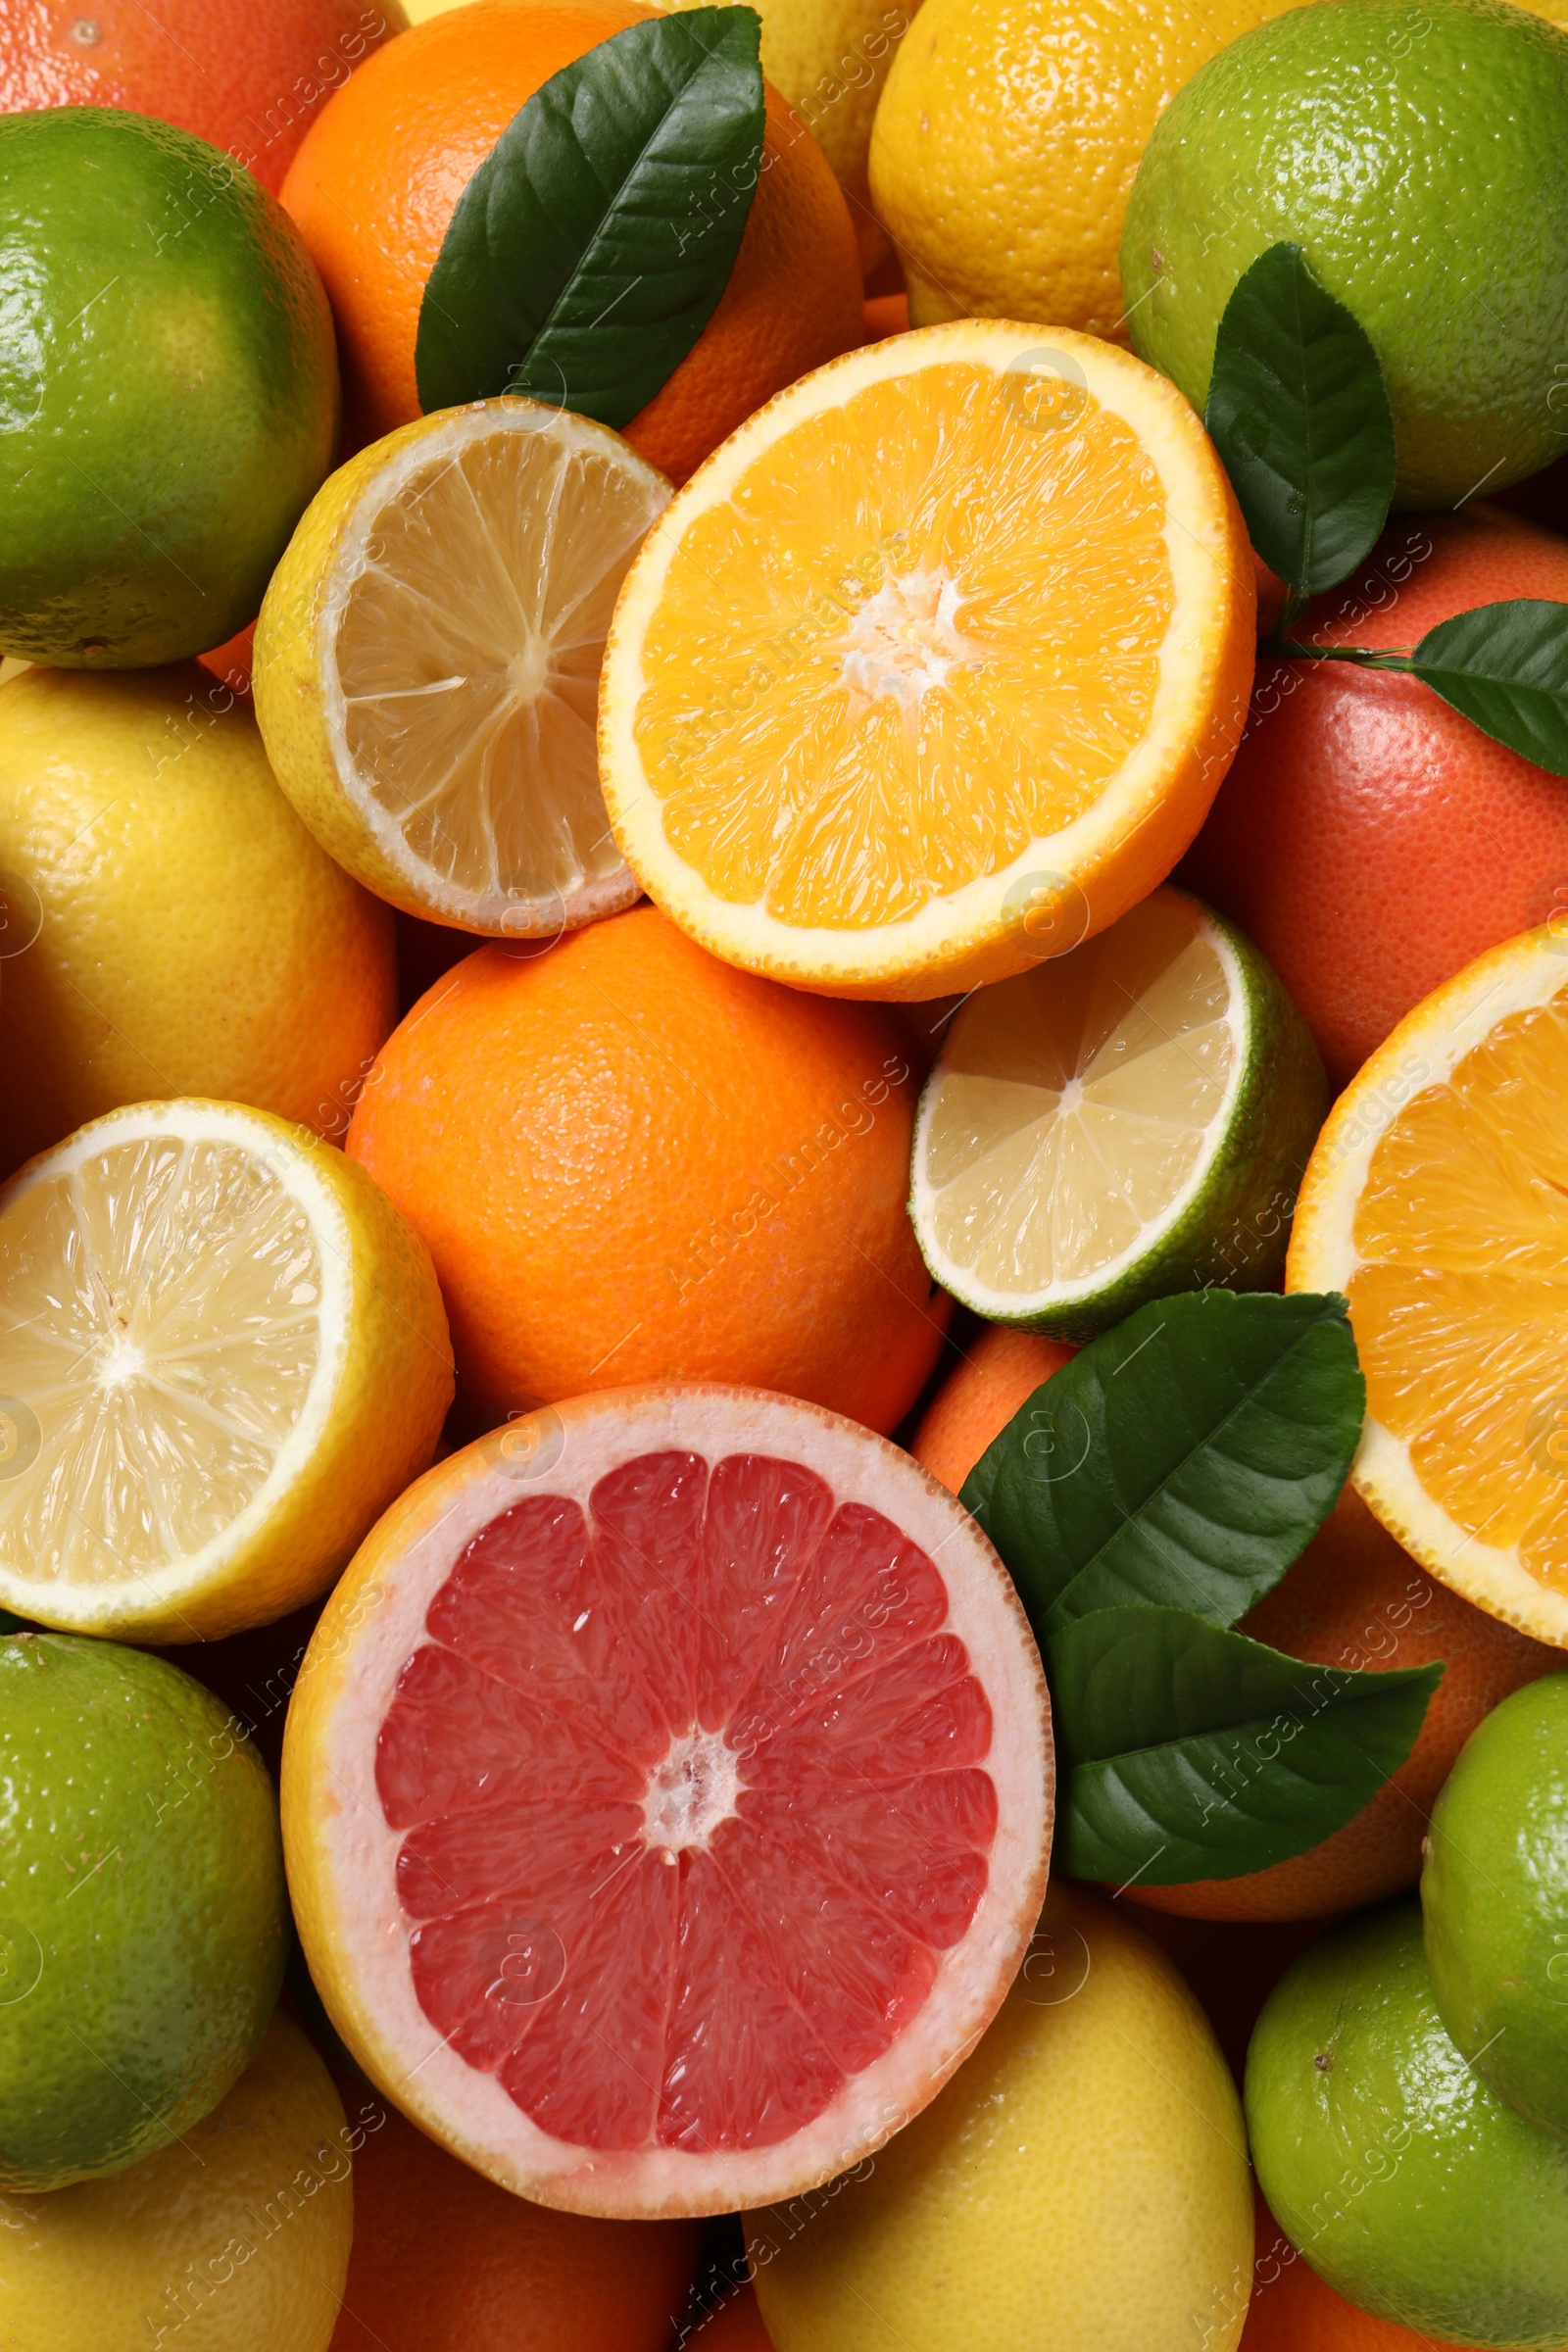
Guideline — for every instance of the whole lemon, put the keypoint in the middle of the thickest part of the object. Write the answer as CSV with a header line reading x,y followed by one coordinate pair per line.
x,y
1007,141
1082,2182
170,926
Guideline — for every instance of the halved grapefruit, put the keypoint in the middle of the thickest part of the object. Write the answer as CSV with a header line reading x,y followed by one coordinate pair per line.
x,y
668,1798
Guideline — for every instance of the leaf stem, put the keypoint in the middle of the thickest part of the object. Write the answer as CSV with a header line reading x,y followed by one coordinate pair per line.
x,y
1286,650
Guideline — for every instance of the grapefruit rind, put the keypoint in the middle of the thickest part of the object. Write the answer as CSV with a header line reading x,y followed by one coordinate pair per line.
x,y
1105,859
341,1853
1421,1052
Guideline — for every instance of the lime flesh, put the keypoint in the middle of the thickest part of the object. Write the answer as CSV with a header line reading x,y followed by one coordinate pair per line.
x,y
1418,152
142,1907
1399,2175
169,396
1494,1896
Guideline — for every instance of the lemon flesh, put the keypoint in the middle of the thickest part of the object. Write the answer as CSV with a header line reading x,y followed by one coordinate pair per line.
x,y
427,664
1129,1118
222,1353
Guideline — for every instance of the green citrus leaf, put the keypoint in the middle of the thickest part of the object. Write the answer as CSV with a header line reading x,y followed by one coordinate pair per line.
x,y
591,247
1184,1459
1299,413
1192,1753
1505,668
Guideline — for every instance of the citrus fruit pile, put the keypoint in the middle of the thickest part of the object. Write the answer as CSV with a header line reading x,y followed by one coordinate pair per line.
x,y
783,1030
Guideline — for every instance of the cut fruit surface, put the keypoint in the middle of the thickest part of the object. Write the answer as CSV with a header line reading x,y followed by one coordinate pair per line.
x,y
427,669
937,660
1436,1201
224,1352
667,1799
1125,1120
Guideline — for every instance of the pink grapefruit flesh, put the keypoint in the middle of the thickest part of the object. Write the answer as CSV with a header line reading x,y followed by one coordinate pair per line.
x,y
667,1795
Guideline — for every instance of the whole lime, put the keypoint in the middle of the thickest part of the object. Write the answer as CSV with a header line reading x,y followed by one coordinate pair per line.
x,y
169,398
1418,152
142,1907
1494,1896
1403,2180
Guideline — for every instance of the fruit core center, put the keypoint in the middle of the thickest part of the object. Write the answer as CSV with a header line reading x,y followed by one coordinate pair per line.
x,y
907,639
120,1361
692,1794
529,670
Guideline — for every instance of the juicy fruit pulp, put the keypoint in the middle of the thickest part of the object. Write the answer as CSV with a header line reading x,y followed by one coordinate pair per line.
x,y
171,396
1447,237
441,616
192,1308
144,1906
928,628
1413,2190
706,1791
1104,1127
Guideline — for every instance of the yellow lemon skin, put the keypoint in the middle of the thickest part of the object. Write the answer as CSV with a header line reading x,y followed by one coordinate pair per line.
x,y
170,928
1080,2184
1007,141
235,2240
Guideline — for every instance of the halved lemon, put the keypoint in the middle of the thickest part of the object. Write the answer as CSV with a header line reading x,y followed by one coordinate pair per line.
x,y
945,650
1437,1201
1127,1120
222,1353
427,660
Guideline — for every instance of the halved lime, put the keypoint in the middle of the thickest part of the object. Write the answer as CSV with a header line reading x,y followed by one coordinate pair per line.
x,y
1127,1120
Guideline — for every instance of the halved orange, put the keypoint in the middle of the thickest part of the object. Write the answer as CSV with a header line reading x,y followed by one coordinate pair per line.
x,y
1437,1199
934,667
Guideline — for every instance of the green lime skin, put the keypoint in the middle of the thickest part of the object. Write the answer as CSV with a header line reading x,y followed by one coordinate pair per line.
x,y
1495,1897
168,391
1403,2180
1418,152
143,1914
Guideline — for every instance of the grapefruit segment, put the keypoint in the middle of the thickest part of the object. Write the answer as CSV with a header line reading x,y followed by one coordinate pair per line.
x,y
661,1837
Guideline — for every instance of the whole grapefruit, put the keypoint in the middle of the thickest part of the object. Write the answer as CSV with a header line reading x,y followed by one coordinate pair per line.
x,y
633,1162
249,80
1370,840
377,182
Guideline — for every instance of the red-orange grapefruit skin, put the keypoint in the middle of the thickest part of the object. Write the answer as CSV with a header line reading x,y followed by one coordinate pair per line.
x,y
632,1163
1368,839
250,79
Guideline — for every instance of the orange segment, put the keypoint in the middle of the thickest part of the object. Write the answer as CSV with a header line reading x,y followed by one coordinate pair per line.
x,y
1438,1200
956,623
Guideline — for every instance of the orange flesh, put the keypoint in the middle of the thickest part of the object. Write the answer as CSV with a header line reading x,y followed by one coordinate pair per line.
x,y
691,1800
924,631
1460,1305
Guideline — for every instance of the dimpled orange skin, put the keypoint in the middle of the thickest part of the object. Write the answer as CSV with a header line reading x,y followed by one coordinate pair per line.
x,y
374,186
1355,1598
444,2261
632,1163
1000,1370
1366,838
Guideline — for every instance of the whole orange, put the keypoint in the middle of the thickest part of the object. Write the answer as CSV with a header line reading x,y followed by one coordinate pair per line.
x,y
1000,1370
1357,1598
1294,2310
1369,840
249,80
375,184
444,2261
632,1163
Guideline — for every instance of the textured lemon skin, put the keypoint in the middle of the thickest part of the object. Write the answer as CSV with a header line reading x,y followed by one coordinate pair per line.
x,y
1007,141
1081,2183
392,1393
191,938
1419,158
236,2241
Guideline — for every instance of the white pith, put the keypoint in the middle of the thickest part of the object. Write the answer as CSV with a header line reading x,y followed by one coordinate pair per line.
x,y
1000,1303
340,1842
526,672
948,927
127,1372
1421,1052
907,639
691,1792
